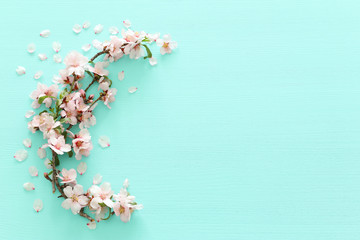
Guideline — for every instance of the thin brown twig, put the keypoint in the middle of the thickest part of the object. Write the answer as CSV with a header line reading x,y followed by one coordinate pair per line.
x,y
83,214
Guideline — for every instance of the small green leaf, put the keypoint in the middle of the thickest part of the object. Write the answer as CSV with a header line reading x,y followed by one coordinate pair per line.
x,y
50,173
149,54
41,99
71,153
63,120
107,216
57,162
102,204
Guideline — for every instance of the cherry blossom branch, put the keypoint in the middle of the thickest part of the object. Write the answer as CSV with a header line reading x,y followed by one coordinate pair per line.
x,y
54,178
98,54
83,214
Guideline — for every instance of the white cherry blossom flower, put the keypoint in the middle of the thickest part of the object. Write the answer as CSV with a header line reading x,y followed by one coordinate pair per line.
x,y
125,205
42,91
97,179
132,89
77,28
42,56
104,141
57,58
86,25
98,28
21,155
109,96
33,171
68,176
82,144
41,153
75,198
20,70
99,68
113,30
38,75
38,205
86,47
45,33
166,44
81,168
127,23
58,145
28,186
56,46
31,48
76,63
100,195
29,113
27,142
121,75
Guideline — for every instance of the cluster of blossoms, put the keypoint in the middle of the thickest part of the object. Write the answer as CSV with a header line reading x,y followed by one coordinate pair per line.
x,y
74,106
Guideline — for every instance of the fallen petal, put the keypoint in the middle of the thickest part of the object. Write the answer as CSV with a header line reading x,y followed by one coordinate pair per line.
x,y
132,89
56,46
81,168
127,23
152,61
47,163
57,58
97,179
56,79
38,205
41,153
86,25
42,56
104,141
29,113
38,74
33,171
98,28
77,28
45,33
91,225
21,155
121,75
27,142
20,70
31,48
86,47
113,30
28,186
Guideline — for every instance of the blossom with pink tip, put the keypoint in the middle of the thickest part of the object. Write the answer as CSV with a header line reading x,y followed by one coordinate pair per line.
x,y
166,44
41,91
99,68
125,205
81,168
82,144
75,198
109,96
68,176
38,205
100,195
45,33
75,63
58,145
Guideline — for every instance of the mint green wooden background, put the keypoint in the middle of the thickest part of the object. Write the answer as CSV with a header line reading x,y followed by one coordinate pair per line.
x,y
250,130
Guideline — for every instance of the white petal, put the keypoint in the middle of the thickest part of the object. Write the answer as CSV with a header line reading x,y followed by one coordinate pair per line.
x,y
81,168
41,153
167,38
86,25
86,47
57,58
45,33
91,225
38,205
56,46
113,30
97,44
104,141
126,183
42,56
127,23
152,61
20,70
33,171
21,155
77,28
56,79
28,186
47,163
97,179
132,89
98,28
38,74
31,48
27,142
121,75
29,113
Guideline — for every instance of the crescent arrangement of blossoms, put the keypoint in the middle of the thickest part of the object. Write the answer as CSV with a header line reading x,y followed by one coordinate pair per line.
x,y
73,106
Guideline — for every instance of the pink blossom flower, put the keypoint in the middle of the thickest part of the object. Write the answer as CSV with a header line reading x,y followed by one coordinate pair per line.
x,y
58,145
68,176
43,90
82,144
75,198
99,68
109,96
100,195
166,44
125,205
75,63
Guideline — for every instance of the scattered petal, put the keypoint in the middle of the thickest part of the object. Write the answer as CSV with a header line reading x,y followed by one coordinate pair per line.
x,y
56,79
38,74
127,23
42,56
86,25
121,75
41,153
152,61
77,28
27,142
104,141
56,46
86,47
132,89
28,186
97,44
57,58
38,205
45,33
33,171
31,48
126,183
113,30
47,163
91,225
29,113
81,168
98,28
20,70
21,155
97,179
